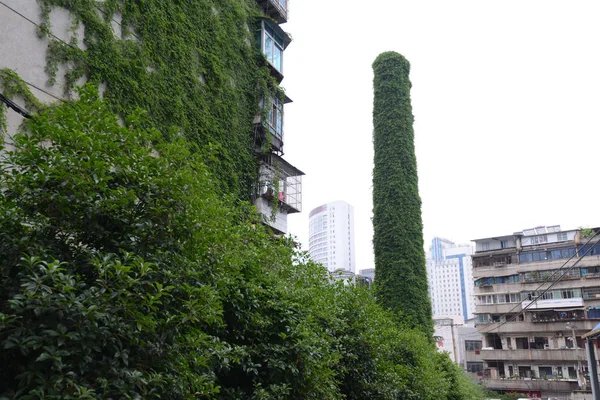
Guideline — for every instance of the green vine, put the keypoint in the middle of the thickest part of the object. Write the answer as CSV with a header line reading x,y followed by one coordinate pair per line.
x,y
401,279
193,66
12,86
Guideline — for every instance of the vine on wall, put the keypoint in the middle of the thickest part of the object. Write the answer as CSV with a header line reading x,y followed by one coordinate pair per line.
x,y
192,65
12,86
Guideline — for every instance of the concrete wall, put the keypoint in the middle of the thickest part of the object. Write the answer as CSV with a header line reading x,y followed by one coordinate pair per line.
x,y
264,207
25,52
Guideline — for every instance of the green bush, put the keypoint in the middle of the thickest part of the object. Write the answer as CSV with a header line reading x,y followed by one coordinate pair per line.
x,y
124,274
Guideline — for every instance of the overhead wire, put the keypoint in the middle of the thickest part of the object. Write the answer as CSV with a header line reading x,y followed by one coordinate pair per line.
x,y
542,284
515,316
34,23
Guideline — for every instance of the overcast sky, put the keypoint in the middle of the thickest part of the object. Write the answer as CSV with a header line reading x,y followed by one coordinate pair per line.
x,y
506,99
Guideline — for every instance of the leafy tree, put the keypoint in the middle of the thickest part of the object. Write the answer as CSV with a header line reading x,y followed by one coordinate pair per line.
x,y
401,279
126,274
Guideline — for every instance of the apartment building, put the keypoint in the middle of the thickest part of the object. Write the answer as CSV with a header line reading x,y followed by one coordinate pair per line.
x,y
279,189
533,304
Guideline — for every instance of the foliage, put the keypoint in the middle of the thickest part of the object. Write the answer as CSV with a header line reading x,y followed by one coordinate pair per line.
x,y
586,233
401,279
191,64
504,396
12,86
125,274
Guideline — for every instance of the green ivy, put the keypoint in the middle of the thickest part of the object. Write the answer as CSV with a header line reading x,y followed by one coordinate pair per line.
x,y
12,86
401,279
192,65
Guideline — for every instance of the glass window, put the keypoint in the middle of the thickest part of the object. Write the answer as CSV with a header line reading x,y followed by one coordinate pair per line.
x,y
275,117
526,257
471,345
273,48
562,236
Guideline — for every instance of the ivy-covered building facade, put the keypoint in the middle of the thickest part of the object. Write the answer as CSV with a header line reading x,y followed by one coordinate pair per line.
x,y
210,71
537,292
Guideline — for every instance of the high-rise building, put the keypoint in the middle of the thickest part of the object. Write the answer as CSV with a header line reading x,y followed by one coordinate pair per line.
x,y
450,279
331,236
534,300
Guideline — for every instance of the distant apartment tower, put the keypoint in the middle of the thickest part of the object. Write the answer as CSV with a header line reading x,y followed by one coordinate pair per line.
x,y
450,279
535,347
331,236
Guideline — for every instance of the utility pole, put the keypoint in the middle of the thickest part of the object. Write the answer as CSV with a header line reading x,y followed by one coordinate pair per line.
x,y
454,343
452,325
450,322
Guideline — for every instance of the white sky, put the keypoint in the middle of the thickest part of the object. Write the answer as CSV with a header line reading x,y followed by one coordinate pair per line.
x,y
506,98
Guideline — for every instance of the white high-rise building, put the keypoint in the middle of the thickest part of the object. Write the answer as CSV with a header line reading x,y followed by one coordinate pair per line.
x,y
331,236
450,279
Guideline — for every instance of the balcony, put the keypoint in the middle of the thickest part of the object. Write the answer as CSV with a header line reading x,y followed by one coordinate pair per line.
x,y
537,355
563,385
535,327
281,182
498,308
275,9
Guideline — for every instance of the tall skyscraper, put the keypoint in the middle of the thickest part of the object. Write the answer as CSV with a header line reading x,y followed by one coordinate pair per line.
x,y
331,236
450,278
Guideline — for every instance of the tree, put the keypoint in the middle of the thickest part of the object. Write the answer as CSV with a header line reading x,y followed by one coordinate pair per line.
x,y
401,279
126,274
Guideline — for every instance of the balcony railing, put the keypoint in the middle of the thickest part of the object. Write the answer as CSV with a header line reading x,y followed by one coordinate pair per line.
x,y
554,385
276,9
282,182
538,355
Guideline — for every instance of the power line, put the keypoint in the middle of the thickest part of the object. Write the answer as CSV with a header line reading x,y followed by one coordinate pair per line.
x,y
44,91
34,23
514,317
15,106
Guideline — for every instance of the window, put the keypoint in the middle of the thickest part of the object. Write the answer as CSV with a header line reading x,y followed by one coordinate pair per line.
x,y
471,345
545,372
474,366
485,246
275,117
273,48
504,244
561,236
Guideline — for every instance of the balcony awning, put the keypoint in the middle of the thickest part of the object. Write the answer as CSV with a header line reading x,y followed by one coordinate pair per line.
x,y
283,34
285,167
593,333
